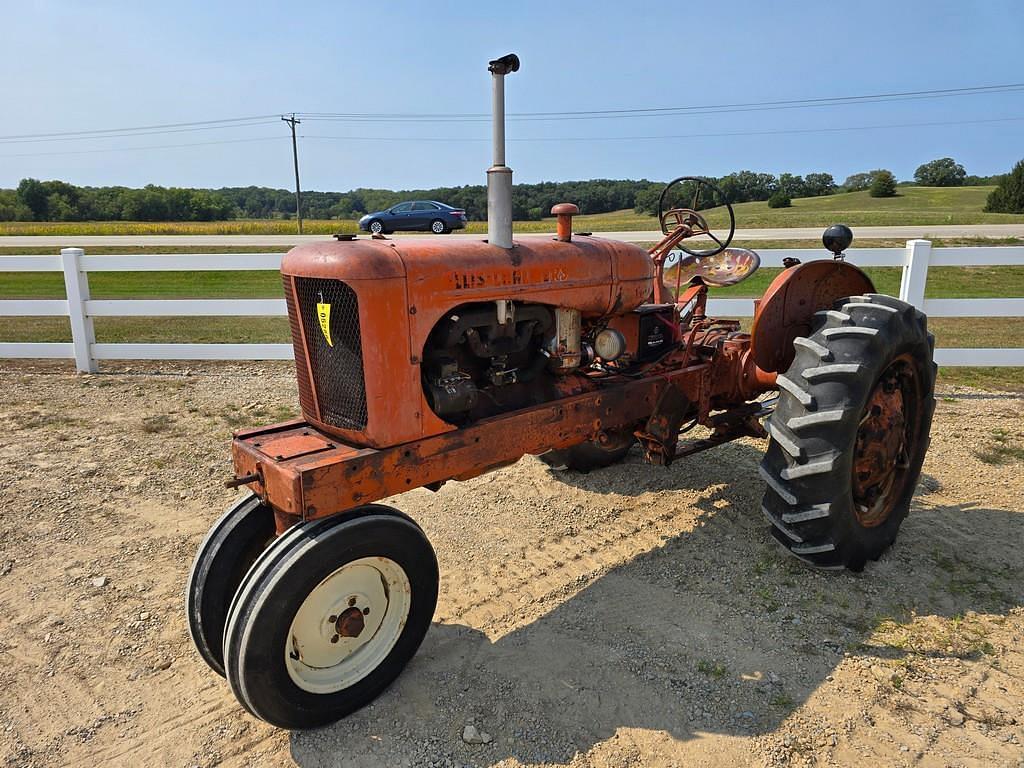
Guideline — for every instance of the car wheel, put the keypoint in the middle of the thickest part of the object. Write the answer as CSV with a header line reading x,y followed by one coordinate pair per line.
x,y
438,227
376,227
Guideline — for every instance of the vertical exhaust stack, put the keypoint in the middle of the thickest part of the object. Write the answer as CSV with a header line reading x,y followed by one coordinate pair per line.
x,y
499,175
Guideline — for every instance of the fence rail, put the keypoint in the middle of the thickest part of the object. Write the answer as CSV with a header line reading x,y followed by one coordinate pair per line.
x,y
915,259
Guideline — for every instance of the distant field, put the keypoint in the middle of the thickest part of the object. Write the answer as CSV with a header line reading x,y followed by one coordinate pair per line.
x,y
913,205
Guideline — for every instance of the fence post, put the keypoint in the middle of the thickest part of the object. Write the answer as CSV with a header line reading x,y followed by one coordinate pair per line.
x,y
915,272
76,286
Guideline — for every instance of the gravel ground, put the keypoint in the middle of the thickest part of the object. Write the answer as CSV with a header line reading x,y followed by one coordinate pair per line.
x,y
632,616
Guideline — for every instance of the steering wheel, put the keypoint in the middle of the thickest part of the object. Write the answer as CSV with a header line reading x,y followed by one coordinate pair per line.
x,y
674,218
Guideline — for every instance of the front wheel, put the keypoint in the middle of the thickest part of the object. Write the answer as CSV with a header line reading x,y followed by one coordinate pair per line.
x,y
438,227
849,435
232,545
376,227
329,616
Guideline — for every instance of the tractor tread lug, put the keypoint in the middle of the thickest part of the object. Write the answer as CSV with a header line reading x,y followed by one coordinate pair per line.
x,y
823,353
873,305
780,525
834,315
797,423
849,331
784,493
833,369
815,512
813,549
787,441
804,397
820,467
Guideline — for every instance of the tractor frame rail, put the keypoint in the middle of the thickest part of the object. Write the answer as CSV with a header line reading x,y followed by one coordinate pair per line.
x,y
305,474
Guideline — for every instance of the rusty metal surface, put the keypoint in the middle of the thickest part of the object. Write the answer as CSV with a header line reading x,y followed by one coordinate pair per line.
x,y
564,213
883,443
786,309
325,482
404,291
729,267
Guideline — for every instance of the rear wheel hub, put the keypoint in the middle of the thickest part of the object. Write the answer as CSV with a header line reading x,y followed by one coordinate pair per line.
x,y
884,443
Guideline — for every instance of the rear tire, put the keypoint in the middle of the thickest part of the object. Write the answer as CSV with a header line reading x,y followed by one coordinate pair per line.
x,y
438,227
850,432
294,655
591,454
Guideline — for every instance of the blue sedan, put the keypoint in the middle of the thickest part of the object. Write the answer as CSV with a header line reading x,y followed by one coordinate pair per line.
x,y
415,215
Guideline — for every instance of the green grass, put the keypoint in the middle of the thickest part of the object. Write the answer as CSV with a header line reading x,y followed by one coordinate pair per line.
x,y
943,282
912,205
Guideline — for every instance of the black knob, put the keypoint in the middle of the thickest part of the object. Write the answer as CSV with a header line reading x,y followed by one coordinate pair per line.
x,y
837,238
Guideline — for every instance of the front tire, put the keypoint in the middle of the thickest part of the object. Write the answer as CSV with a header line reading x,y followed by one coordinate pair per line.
x,y
850,432
233,543
329,616
376,227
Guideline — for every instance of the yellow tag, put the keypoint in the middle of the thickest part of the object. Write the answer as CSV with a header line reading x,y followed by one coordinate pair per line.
x,y
323,313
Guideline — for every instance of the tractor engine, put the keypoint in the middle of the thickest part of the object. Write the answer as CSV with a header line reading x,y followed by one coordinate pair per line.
x,y
397,341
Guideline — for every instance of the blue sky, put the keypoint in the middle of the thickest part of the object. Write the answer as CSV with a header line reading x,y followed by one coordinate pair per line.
x,y
82,66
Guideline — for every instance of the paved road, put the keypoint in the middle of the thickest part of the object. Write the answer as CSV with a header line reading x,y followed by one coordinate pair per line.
x,y
794,233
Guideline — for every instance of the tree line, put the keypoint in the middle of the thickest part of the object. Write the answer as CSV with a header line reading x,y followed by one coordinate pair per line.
x,y
35,200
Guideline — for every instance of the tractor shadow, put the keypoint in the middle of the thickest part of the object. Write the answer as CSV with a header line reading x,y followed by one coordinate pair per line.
x,y
718,631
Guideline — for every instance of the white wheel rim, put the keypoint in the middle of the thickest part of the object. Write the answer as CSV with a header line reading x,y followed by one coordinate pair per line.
x,y
376,227
438,227
324,656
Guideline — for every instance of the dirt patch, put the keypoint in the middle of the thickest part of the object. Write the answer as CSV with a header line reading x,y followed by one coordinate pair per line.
x,y
633,616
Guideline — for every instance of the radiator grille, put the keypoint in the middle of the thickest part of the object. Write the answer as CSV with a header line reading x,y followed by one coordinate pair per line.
x,y
338,369
301,371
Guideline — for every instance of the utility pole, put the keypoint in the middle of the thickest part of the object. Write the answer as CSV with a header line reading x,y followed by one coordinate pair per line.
x,y
292,121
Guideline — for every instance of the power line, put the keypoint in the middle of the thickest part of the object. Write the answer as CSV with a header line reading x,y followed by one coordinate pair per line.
x,y
673,111
783,131
137,149
453,139
130,135
100,131
752,106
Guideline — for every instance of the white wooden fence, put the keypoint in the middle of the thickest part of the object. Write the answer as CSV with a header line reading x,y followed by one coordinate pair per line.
x,y
75,265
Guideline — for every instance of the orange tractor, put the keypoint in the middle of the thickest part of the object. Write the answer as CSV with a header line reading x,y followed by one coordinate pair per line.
x,y
420,362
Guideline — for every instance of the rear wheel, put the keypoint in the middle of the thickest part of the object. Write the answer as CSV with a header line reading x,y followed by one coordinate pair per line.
x,y
329,616
234,542
850,432
610,449
438,227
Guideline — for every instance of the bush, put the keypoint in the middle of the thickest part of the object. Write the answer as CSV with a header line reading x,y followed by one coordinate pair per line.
x,y
779,200
1008,197
883,184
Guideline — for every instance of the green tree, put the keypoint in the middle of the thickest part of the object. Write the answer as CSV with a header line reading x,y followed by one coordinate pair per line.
x,y
790,186
779,200
817,184
32,194
858,181
883,184
944,172
1008,197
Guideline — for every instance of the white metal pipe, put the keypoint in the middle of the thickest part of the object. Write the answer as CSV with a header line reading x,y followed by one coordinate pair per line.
x,y
498,118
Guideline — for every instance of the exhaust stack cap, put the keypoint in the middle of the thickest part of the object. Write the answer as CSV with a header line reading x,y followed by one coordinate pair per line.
x,y
564,212
504,66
